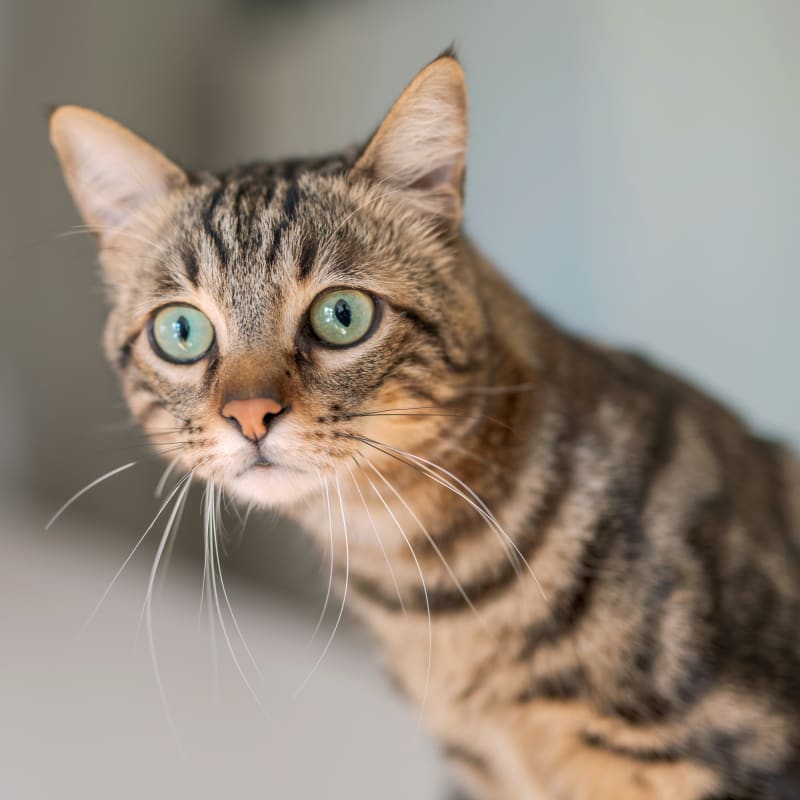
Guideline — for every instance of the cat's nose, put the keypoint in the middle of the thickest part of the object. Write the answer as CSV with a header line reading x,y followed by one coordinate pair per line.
x,y
252,417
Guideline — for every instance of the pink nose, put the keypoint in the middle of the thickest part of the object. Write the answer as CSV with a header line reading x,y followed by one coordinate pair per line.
x,y
252,416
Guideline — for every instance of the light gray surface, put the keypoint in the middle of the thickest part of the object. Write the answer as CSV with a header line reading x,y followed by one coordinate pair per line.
x,y
81,715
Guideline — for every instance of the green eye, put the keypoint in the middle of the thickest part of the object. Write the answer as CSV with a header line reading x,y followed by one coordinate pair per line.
x,y
342,316
181,334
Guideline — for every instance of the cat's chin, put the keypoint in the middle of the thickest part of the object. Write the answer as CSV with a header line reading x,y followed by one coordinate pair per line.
x,y
272,486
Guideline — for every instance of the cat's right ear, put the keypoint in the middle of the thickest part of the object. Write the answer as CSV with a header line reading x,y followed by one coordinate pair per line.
x,y
420,147
111,173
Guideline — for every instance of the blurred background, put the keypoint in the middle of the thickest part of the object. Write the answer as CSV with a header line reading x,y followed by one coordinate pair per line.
x,y
634,167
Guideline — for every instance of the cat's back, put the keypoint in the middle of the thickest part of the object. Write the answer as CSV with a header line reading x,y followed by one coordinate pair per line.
x,y
696,588
725,503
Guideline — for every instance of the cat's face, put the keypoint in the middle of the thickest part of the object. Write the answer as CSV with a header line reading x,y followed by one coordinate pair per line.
x,y
266,322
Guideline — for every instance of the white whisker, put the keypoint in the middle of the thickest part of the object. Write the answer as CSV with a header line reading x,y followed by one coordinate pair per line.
x,y
421,578
119,572
82,230
171,543
86,488
205,592
429,467
206,551
230,611
378,539
436,549
149,604
344,593
214,560
324,486
162,481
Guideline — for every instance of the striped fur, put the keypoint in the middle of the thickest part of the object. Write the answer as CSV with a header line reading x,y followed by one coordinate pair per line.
x,y
628,627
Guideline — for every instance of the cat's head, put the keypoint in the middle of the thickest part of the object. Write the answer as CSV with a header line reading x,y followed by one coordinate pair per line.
x,y
265,322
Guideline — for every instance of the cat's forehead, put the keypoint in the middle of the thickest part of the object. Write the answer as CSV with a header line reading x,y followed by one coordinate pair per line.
x,y
260,242
246,213
252,237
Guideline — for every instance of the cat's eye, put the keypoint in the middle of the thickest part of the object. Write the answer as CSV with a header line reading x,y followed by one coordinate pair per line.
x,y
181,334
342,317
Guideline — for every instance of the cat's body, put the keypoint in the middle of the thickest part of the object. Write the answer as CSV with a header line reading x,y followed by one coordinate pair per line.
x,y
659,656
647,646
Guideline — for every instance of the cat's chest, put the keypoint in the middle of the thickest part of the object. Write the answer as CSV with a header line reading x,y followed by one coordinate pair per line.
x,y
540,752
506,746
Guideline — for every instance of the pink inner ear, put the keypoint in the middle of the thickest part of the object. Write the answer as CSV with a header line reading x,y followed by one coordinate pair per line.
x,y
111,172
435,178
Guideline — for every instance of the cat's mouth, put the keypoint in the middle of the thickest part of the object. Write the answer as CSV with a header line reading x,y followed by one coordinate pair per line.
x,y
259,463
267,481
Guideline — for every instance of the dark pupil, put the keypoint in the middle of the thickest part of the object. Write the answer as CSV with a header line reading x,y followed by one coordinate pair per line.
x,y
181,328
343,313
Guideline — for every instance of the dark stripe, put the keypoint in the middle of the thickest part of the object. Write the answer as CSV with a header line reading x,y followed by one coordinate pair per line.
x,y
211,373
208,225
498,577
725,796
305,260
152,407
141,385
460,753
567,607
752,624
564,685
276,243
290,200
374,593
167,283
662,586
642,701
761,786
744,778
190,265
535,532
620,525
645,755
254,233
124,353
432,331
239,206
621,522
376,381
411,382
778,489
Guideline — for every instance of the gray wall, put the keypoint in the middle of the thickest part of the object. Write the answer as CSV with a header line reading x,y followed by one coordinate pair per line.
x,y
635,167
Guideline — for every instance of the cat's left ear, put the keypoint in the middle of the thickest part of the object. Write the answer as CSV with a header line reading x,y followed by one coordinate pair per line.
x,y
111,173
420,147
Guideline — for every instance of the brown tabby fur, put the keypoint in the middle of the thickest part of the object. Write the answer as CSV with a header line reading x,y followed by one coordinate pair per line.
x,y
656,652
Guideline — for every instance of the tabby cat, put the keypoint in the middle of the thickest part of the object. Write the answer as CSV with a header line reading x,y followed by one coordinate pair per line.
x,y
584,572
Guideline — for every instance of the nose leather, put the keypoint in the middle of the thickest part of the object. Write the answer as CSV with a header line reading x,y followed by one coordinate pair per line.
x,y
252,416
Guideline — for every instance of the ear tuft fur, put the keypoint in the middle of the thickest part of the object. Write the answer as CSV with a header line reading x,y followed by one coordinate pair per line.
x,y
448,52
